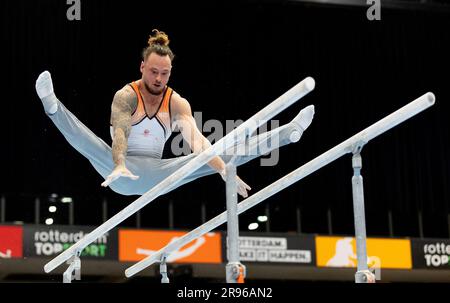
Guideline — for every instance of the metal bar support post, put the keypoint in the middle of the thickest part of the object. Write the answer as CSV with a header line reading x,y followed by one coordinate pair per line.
x,y
235,271
363,275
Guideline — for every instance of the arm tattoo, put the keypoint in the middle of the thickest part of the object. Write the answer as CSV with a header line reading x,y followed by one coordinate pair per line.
x,y
121,110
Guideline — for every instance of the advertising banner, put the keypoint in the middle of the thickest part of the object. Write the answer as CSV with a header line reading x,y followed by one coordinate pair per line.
x,y
135,245
11,242
275,249
49,241
381,253
431,253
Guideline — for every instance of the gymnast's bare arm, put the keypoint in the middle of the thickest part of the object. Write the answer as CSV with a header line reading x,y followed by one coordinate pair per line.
x,y
123,105
182,117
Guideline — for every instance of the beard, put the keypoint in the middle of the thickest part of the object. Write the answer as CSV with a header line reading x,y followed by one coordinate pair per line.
x,y
153,91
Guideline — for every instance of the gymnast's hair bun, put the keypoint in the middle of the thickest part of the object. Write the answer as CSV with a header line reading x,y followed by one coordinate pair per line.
x,y
159,38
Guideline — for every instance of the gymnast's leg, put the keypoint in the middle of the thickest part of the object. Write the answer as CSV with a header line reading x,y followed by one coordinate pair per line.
x,y
75,132
83,139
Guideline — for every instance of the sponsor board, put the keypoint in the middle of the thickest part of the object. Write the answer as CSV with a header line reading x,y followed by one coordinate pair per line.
x,y
431,253
381,253
49,241
275,249
11,242
135,245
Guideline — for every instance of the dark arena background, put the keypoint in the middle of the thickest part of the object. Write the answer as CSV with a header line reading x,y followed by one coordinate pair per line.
x,y
232,58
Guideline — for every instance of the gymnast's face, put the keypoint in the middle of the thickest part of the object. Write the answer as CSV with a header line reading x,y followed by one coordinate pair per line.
x,y
155,73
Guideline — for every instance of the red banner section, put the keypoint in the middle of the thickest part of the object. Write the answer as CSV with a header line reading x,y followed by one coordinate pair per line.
x,y
11,242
